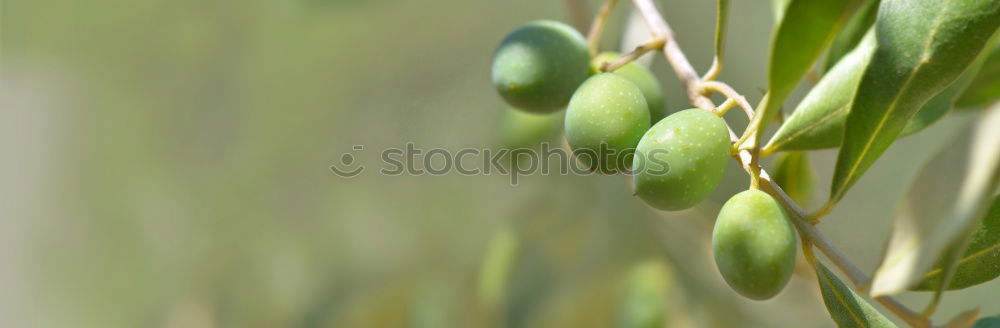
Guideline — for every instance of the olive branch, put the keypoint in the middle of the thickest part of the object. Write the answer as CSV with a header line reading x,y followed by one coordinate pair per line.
x,y
698,90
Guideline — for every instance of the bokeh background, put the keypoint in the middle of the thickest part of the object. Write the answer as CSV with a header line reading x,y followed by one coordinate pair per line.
x,y
165,164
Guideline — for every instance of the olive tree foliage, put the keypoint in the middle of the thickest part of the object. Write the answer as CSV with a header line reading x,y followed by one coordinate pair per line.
x,y
882,70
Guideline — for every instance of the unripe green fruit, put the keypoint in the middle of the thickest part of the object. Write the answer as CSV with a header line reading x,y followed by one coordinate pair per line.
x,y
605,120
538,66
519,129
754,245
681,159
642,77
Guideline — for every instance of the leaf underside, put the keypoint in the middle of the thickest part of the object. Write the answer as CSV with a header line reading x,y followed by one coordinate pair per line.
x,y
980,262
935,224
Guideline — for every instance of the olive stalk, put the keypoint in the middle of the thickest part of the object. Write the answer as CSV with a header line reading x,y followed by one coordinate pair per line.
x,y
729,92
803,222
654,44
597,27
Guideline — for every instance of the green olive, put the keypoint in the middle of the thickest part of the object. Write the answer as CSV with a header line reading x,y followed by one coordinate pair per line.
x,y
681,159
642,77
519,129
604,121
537,67
754,245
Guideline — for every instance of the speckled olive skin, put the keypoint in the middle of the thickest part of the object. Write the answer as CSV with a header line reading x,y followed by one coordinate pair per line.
x,y
642,77
604,121
537,67
754,245
681,159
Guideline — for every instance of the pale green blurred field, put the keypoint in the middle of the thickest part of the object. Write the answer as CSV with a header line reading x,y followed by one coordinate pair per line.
x,y
164,164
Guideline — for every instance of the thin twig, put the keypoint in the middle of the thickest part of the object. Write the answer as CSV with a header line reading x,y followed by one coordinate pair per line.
x,y
725,107
686,73
654,44
597,28
814,237
729,92
672,51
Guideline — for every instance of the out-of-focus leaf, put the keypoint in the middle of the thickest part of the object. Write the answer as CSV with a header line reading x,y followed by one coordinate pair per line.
x,y
644,295
846,307
980,262
778,8
988,322
852,33
963,320
721,26
942,208
923,46
818,121
985,87
805,30
496,266
795,176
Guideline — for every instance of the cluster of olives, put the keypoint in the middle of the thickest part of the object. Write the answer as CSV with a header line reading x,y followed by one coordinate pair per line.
x,y
676,161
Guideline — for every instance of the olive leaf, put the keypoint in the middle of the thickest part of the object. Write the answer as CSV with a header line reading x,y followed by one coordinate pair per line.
x,y
805,30
847,308
988,322
795,176
943,102
721,26
778,8
980,262
985,86
852,33
941,208
496,267
818,121
923,46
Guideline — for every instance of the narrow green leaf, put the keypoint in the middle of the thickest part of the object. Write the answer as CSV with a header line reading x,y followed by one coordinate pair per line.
x,y
985,87
495,269
980,262
806,29
942,208
923,46
721,26
943,102
846,307
778,8
988,322
818,121
795,176
852,33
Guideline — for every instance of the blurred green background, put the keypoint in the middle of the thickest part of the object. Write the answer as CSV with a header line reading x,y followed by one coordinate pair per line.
x,y
165,164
